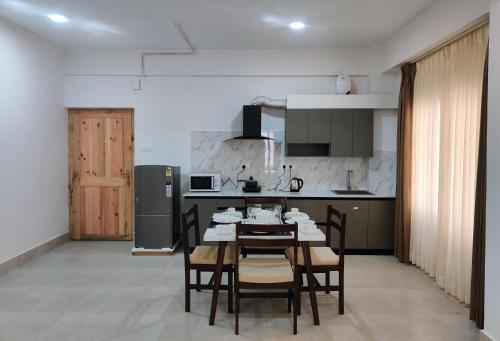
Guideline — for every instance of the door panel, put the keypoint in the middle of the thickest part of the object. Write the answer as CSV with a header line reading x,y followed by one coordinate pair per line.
x,y
157,228
297,126
362,140
91,147
114,160
381,225
356,222
101,173
90,210
320,123
151,198
341,145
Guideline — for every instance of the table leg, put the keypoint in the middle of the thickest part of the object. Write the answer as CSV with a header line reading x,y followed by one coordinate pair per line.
x,y
218,279
310,281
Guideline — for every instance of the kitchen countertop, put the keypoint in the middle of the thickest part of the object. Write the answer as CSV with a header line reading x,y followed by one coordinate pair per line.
x,y
306,194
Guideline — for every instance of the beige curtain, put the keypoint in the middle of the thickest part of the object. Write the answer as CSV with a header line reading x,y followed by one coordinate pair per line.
x,y
446,120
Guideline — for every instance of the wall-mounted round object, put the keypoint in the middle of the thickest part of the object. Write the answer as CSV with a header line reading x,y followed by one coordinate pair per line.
x,y
343,84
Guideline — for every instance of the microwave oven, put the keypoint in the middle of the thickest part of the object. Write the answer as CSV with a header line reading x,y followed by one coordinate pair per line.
x,y
205,182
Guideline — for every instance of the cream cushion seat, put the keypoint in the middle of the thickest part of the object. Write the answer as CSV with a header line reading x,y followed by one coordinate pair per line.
x,y
320,255
204,254
265,270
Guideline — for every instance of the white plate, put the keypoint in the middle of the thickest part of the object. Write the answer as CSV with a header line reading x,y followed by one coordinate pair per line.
x,y
290,215
236,214
308,229
300,220
225,229
225,218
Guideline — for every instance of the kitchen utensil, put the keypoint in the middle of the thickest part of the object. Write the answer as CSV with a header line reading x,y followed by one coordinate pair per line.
x,y
296,184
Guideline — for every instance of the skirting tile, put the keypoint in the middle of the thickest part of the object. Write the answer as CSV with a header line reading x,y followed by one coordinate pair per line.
x,y
483,336
35,252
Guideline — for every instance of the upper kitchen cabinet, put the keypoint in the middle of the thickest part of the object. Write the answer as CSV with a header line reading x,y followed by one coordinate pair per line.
x,y
307,132
319,126
324,132
362,133
297,126
341,137
352,133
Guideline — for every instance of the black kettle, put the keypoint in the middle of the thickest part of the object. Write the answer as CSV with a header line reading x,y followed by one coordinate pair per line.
x,y
296,184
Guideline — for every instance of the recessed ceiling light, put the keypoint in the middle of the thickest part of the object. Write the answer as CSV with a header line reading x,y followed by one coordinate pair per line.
x,y
58,18
297,25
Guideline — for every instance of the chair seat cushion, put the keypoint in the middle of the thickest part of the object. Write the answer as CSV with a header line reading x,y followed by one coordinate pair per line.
x,y
204,254
265,270
320,255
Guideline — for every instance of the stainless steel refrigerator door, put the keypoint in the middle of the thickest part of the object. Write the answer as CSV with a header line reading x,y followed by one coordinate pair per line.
x,y
153,190
153,231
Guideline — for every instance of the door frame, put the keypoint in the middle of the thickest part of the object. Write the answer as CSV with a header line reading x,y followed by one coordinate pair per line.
x,y
132,171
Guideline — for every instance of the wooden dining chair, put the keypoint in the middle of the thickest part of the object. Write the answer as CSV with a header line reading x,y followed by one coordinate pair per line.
x,y
265,273
203,259
323,259
269,202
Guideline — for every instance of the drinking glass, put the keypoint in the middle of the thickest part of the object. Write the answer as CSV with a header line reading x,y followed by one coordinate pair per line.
x,y
277,213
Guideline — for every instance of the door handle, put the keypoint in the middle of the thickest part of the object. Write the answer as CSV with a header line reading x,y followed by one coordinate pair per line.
x,y
355,208
127,176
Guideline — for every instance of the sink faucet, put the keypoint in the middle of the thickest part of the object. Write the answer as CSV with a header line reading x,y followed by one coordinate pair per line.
x,y
348,180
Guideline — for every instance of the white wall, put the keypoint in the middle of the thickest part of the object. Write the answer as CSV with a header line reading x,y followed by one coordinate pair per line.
x,y
492,293
440,22
207,91
33,142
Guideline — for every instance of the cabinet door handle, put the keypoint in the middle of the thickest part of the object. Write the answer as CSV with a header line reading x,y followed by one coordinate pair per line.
x,y
355,208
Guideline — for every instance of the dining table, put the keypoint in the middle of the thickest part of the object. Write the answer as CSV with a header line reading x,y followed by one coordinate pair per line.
x,y
223,239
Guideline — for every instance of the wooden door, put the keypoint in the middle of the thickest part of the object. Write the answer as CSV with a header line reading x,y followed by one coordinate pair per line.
x,y
101,173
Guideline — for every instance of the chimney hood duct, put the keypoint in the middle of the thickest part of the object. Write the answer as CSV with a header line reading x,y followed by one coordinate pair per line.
x,y
252,117
252,124
269,102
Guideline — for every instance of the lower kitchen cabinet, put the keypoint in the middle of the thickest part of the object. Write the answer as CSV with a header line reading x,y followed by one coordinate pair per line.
x,y
369,222
381,223
356,222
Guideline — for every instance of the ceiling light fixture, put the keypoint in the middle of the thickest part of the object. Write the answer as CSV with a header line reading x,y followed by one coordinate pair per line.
x,y
297,25
58,18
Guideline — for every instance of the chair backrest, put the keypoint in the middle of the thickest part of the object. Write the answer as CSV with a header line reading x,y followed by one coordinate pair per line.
x,y
250,235
336,220
266,202
189,220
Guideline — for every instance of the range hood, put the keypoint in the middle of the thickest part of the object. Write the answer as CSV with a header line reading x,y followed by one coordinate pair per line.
x,y
252,119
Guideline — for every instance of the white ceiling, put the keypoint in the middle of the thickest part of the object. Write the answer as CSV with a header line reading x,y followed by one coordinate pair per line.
x,y
231,24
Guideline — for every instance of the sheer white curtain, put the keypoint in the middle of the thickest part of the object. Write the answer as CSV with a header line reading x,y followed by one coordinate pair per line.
x,y
446,117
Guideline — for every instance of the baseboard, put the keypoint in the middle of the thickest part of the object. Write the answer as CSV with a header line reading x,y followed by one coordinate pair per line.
x,y
483,336
33,253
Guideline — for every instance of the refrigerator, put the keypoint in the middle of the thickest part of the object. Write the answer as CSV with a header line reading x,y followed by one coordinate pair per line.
x,y
157,207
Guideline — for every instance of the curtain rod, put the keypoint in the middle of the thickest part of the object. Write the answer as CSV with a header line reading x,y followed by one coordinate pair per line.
x,y
485,20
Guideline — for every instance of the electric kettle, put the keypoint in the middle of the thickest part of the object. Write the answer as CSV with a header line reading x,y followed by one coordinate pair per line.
x,y
296,184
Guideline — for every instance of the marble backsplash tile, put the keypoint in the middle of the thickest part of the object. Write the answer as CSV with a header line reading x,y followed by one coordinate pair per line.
x,y
264,159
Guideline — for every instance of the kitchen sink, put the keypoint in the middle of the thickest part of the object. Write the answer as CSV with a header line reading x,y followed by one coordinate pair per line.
x,y
352,192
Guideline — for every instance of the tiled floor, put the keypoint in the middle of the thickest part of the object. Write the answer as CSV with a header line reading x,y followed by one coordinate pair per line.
x,y
98,291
